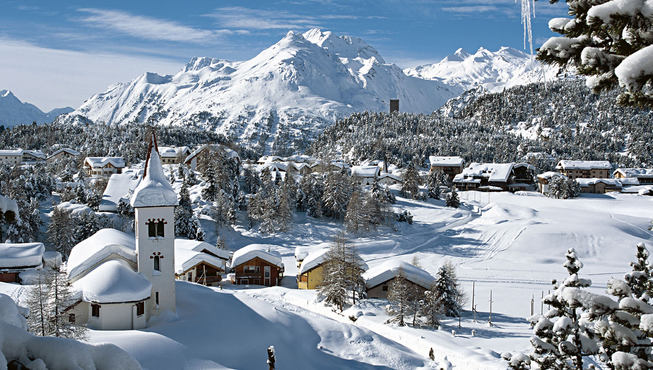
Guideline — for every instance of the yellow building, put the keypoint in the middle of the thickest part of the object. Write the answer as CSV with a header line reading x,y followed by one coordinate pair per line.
x,y
311,271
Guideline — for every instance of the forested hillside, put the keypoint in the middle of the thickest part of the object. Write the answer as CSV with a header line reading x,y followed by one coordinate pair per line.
x,y
557,120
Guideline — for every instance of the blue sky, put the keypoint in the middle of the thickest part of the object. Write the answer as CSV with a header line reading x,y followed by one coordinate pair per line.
x,y
59,53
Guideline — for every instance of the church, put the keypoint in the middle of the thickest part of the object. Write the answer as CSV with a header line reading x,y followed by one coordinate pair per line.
x,y
121,280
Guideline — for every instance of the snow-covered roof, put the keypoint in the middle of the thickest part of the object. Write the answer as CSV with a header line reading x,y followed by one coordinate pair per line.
x,y
154,190
313,260
391,176
14,255
262,251
440,161
100,162
113,282
302,251
641,173
549,175
75,209
185,259
390,269
494,172
99,246
629,181
34,153
230,152
199,246
120,185
11,152
583,165
8,204
172,151
365,171
72,152
593,181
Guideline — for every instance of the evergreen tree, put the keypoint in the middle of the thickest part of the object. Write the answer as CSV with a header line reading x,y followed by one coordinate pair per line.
x,y
60,298
60,231
561,187
410,187
399,296
639,280
435,180
210,192
452,199
447,290
337,190
607,41
356,219
185,222
38,320
342,275
431,308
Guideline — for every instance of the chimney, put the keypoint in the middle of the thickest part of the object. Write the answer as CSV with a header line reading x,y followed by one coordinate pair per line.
x,y
394,105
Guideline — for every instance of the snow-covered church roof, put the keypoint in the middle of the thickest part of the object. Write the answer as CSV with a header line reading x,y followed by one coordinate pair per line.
x,y
97,248
262,251
390,269
14,255
154,190
113,282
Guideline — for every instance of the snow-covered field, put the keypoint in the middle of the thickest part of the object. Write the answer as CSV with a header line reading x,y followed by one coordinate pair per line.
x,y
512,245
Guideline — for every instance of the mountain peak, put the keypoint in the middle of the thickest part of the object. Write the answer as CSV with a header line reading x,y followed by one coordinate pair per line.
x,y
6,94
343,46
14,112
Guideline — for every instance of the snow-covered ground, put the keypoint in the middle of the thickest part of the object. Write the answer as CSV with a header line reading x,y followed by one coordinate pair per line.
x,y
512,245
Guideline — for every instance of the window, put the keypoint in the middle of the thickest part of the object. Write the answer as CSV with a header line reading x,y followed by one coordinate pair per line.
x,y
251,268
159,229
156,298
151,229
140,308
95,310
385,288
71,318
156,228
157,263
190,276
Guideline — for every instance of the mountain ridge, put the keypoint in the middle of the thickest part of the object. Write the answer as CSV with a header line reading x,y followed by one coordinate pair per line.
x,y
13,111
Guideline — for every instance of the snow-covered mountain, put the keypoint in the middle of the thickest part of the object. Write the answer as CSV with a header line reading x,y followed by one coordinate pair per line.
x,y
504,68
14,112
277,101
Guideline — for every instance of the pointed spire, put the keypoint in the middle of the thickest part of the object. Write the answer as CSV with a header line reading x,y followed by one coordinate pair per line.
x,y
153,145
154,190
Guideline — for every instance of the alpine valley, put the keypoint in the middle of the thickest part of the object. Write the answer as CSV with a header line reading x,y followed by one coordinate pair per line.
x,y
283,98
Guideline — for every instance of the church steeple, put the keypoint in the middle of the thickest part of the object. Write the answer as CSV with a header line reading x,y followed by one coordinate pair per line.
x,y
154,203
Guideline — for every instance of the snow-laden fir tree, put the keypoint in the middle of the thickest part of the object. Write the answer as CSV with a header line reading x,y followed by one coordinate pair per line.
x,y
342,274
60,231
185,222
410,187
382,193
639,279
434,181
452,199
337,190
400,299
356,219
610,41
562,187
431,308
447,290
26,227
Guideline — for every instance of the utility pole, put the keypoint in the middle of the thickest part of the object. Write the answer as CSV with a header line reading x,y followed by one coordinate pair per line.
x,y
532,303
542,304
473,291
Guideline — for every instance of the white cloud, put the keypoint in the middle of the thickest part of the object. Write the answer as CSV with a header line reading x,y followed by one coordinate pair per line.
x,y
52,78
147,27
259,19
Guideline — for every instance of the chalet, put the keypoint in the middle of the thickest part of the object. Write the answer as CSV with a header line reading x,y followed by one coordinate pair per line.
x,y
599,186
584,169
390,179
496,177
173,155
122,280
449,165
311,271
199,262
365,175
103,166
197,160
644,176
522,177
33,156
543,180
119,187
63,153
11,156
8,209
379,278
18,257
256,264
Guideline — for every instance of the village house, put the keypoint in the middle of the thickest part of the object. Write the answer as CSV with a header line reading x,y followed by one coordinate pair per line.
x,y
197,160
584,169
103,166
256,264
365,175
173,155
390,179
379,278
16,258
11,156
118,188
33,156
496,177
63,153
311,271
200,262
599,186
451,166
122,281
543,180
644,176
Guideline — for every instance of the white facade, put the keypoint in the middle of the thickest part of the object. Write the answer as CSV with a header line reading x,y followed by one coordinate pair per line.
x,y
157,251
